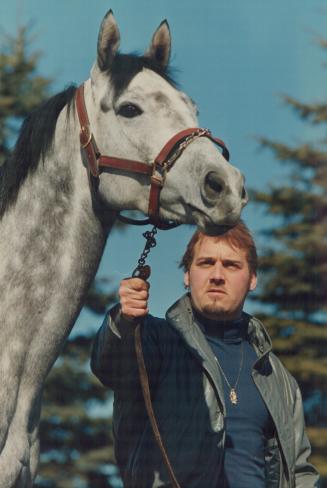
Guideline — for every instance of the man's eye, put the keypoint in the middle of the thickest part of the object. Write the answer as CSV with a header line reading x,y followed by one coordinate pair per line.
x,y
231,265
205,264
129,110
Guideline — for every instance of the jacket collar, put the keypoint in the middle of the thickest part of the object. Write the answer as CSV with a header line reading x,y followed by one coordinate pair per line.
x,y
180,316
258,337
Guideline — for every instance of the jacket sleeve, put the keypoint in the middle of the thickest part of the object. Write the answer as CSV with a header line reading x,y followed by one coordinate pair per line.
x,y
113,358
306,475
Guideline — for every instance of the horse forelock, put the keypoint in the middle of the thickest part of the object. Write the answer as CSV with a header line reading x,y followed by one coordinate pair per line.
x,y
125,67
34,141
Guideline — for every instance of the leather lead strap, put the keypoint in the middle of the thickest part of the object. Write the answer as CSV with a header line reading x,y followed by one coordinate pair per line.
x,y
148,405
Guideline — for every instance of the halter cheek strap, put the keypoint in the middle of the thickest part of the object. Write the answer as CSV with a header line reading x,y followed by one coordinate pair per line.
x,y
156,171
167,157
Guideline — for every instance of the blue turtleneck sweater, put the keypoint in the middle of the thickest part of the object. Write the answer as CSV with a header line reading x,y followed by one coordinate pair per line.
x,y
247,423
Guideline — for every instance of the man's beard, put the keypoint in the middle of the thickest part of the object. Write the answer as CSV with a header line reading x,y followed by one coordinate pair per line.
x,y
214,310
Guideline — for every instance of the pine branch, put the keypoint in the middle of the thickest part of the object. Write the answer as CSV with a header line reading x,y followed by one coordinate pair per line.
x,y
305,155
316,112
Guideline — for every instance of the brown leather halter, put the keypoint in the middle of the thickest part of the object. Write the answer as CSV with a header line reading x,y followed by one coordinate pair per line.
x,y
156,171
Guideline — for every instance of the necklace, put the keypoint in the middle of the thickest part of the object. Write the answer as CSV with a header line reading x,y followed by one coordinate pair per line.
x,y
232,393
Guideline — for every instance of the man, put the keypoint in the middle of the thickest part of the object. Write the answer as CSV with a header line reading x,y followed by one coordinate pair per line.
x,y
229,413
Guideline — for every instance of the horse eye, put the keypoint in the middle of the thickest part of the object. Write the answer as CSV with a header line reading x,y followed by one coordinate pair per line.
x,y
129,110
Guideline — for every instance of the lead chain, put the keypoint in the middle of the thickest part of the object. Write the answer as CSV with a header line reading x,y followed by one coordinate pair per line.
x,y
183,145
142,270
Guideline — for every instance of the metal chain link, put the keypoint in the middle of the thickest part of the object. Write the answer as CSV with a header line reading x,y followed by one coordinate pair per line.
x,y
183,145
142,270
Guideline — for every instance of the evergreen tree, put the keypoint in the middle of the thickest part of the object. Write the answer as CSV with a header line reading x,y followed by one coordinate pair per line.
x,y
75,431
294,269
21,88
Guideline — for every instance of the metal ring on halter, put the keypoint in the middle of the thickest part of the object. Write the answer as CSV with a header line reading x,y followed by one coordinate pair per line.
x,y
89,139
162,224
129,220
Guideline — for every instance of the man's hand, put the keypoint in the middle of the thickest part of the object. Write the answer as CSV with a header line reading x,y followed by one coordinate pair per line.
x,y
134,295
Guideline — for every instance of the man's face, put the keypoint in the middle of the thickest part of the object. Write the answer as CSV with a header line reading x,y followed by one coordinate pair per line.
x,y
219,279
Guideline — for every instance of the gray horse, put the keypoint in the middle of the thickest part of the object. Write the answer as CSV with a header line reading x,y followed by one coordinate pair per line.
x,y
54,224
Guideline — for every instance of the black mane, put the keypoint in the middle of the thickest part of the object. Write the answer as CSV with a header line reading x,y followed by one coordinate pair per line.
x,y
38,129
34,141
125,66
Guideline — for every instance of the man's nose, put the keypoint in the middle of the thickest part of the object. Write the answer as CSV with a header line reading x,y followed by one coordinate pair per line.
x,y
217,274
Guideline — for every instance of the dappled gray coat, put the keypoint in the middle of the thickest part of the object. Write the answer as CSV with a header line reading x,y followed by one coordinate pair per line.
x,y
188,401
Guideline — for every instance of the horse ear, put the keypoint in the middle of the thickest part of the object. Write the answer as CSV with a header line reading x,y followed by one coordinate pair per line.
x,y
108,41
159,49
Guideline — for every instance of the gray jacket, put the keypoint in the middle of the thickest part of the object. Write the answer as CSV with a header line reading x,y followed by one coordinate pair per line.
x,y
187,394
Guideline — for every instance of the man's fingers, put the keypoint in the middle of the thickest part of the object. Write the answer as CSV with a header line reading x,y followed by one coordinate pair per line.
x,y
133,303
135,284
134,294
134,313
134,289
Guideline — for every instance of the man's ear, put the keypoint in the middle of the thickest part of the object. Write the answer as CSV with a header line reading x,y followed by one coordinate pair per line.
x,y
253,282
187,279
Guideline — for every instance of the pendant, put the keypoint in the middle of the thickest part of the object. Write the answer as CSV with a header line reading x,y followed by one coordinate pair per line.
x,y
233,396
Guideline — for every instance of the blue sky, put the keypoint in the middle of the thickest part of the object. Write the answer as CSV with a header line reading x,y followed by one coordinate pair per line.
x,y
234,58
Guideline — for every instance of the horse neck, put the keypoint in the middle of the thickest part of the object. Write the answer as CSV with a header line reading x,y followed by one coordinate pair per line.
x,y
50,247
51,237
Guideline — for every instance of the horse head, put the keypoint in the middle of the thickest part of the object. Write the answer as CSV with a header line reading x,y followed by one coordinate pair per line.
x,y
134,108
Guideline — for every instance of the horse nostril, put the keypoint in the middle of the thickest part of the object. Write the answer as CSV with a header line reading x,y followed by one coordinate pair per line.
x,y
244,195
213,185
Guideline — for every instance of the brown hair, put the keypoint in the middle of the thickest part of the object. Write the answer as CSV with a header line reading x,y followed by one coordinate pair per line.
x,y
238,236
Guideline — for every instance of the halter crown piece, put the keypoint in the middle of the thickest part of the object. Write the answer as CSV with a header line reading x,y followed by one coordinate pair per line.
x,y
156,171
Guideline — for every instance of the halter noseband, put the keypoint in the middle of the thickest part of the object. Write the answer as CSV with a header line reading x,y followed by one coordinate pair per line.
x,y
156,171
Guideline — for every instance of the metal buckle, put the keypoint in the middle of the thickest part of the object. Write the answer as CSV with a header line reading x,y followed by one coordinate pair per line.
x,y
85,132
157,180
